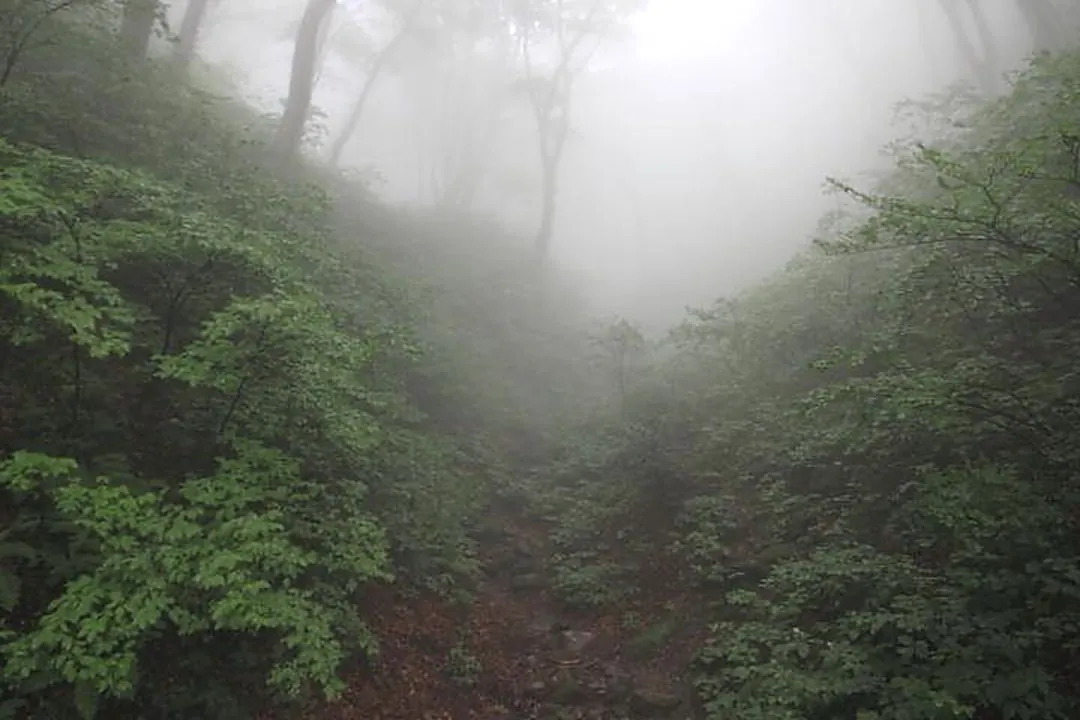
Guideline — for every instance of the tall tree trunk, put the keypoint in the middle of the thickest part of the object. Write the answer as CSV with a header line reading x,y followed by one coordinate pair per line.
x,y
1047,24
353,121
551,107
466,170
551,153
290,131
188,38
136,27
549,195
974,59
467,154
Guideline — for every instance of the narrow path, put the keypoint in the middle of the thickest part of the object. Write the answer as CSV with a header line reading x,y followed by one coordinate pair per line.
x,y
516,653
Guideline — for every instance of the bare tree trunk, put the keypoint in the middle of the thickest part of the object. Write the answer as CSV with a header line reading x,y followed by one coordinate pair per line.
x,y
353,121
551,107
467,155
551,161
188,38
136,27
326,39
983,75
549,196
290,131
465,172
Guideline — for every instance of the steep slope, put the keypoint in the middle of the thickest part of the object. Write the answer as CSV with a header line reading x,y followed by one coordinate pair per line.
x,y
870,460
230,419
263,442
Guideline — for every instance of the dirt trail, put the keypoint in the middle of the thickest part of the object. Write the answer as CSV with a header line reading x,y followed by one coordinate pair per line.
x,y
516,653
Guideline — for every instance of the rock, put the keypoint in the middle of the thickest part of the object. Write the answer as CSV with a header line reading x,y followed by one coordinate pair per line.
x,y
544,625
657,695
527,581
576,641
648,701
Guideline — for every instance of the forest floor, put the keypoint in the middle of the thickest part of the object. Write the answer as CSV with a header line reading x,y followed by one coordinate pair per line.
x,y
514,651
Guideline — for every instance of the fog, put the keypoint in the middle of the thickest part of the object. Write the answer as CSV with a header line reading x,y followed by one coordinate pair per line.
x,y
700,137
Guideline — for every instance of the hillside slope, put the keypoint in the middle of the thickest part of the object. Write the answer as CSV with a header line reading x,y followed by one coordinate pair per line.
x,y
270,450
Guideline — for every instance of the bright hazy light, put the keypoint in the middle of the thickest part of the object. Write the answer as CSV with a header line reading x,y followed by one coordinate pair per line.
x,y
697,148
679,29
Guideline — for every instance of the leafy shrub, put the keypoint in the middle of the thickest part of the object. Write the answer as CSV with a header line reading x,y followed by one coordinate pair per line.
x,y
581,579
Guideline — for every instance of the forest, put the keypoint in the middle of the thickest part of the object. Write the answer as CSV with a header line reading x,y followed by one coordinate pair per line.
x,y
271,447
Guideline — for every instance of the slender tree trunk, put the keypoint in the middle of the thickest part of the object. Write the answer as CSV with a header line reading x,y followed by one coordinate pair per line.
x,y
188,38
136,27
377,66
549,195
971,54
554,131
290,131
551,107
463,180
467,161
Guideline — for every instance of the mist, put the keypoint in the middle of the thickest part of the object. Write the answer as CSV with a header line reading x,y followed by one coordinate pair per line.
x,y
699,139
498,359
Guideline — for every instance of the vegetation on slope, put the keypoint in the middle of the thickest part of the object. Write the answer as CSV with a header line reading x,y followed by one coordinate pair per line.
x,y
870,460
233,412
219,427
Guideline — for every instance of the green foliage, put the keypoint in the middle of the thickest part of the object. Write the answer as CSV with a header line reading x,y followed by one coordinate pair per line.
x,y
934,577
653,638
218,557
850,629
218,443
584,579
869,459
710,533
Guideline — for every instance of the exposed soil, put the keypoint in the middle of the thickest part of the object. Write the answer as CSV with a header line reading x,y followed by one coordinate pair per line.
x,y
515,651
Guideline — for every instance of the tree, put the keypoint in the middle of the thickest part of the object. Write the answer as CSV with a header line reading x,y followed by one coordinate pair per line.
x,y
194,16
161,287
18,27
471,95
621,343
290,131
572,31
136,27
379,62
